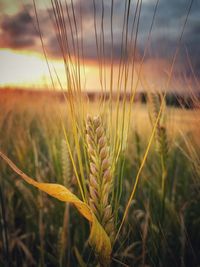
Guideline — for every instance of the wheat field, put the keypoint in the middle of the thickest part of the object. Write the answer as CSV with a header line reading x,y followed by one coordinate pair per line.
x,y
41,231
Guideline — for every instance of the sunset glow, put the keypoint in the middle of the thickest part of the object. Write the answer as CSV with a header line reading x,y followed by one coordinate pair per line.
x,y
21,68
24,69
30,70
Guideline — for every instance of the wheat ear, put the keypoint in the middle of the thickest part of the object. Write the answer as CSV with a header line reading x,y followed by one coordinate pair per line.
x,y
101,178
161,131
162,145
67,168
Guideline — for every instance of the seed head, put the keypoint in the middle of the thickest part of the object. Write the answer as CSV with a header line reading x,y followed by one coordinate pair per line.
x,y
100,179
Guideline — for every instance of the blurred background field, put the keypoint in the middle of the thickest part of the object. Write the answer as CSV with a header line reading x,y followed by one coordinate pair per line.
x,y
37,230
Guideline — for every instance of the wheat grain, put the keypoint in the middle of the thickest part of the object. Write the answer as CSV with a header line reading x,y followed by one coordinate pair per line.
x,y
101,178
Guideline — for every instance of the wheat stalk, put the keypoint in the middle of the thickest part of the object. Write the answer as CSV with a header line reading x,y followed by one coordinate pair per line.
x,y
100,178
67,174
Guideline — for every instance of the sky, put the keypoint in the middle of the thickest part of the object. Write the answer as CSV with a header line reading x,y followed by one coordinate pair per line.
x,y
22,61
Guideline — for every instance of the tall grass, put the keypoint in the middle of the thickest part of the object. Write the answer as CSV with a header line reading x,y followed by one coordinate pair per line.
x,y
140,233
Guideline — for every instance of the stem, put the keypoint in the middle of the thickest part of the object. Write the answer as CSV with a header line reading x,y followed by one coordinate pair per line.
x,y
162,210
163,187
4,231
41,230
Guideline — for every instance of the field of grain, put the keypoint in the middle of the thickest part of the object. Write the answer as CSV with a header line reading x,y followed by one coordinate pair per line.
x,y
37,230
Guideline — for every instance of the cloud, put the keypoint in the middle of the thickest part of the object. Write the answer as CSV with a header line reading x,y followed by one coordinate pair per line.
x,y
18,31
168,24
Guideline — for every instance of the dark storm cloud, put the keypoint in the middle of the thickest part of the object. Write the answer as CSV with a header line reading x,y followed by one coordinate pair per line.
x,y
18,31
168,24
192,43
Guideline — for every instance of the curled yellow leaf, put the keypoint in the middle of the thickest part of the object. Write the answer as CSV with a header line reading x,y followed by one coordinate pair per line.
x,y
98,239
